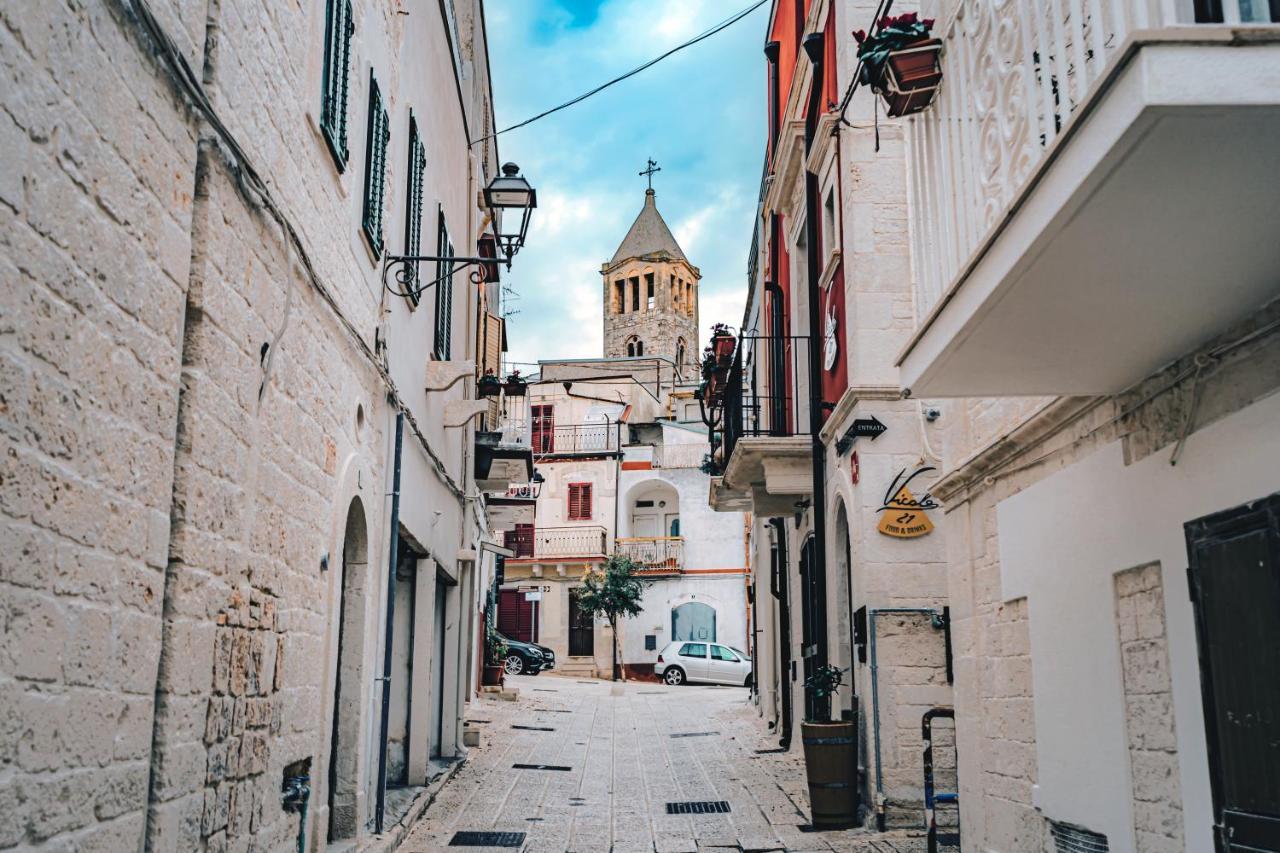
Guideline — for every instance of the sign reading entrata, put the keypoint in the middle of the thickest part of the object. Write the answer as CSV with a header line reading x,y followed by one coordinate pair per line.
x,y
903,513
870,428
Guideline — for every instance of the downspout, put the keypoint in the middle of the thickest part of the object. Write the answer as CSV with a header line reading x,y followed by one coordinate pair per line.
x,y
779,589
813,47
936,621
393,559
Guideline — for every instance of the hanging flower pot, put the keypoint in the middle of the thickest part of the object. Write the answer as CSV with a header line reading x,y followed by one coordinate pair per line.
x,y
901,62
488,386
722,343
516,384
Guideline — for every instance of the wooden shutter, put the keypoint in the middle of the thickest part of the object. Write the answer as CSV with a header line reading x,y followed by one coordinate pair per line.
x,y
413,215
543,429
492,345
444,291
339,26
375,167
579,501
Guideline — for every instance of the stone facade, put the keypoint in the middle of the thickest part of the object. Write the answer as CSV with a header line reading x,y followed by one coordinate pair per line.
x,y
190,401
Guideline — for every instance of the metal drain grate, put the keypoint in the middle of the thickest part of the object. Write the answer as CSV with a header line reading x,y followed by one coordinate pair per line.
x,y
531,728
487,839
699,807
774,751
540,767
1068,838
693,734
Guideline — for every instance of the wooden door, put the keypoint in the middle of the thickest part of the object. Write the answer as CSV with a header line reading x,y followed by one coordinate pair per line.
x,y
1234,576
582,628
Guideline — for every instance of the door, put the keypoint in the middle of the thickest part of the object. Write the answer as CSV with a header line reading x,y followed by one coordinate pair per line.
x,y
582,628
725,667
543,429
517,616
1234,577
692,658
437,668
693,620
644,526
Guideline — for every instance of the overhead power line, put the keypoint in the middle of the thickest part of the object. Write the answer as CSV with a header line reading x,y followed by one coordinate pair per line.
x,y
706,34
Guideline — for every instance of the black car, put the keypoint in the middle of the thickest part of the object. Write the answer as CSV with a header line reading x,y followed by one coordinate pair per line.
x,y
527,658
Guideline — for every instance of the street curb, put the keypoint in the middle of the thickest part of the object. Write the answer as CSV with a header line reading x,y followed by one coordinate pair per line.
x,y
394,836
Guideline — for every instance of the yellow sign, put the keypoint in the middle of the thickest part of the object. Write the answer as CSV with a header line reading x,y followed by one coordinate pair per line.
x,y
903,514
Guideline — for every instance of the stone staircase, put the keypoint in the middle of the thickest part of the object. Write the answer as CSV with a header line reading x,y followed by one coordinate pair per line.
x,y
584,667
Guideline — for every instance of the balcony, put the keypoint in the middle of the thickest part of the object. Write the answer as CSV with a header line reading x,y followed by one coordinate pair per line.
x,y
658,555
680,455
575,440
516,508
762,426
552,544
1092,193
504,455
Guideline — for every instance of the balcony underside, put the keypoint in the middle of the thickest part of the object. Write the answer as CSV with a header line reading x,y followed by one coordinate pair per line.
x,y
765,475
1154,226
498,467
504,513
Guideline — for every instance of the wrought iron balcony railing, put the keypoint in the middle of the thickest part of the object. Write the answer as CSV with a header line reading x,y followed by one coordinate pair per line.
x,y
568,439
557,542
662,552
766,392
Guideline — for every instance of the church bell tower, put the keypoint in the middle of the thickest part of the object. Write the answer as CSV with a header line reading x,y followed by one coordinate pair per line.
x,y
651,293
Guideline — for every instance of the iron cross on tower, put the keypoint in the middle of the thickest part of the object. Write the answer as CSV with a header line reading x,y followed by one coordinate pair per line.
x,y
648,173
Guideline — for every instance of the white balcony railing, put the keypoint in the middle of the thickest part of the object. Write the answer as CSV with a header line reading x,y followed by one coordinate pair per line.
x,y
1014,72
680,455
662,552
557,542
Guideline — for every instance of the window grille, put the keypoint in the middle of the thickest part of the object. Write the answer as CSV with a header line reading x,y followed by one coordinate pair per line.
x,y
1068,838
444,291
413,213
375,167
579,501
339,28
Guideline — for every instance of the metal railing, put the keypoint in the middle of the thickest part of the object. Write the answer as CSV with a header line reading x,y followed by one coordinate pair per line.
x,y
513,420
766,392
564,439
553,542
661,552
679,455
1013,76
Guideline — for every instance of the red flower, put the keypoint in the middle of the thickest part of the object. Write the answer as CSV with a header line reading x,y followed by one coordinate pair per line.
x,y
860,36
908,18
927,23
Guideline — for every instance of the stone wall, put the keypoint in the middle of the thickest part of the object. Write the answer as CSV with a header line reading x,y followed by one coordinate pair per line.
x,y
659,328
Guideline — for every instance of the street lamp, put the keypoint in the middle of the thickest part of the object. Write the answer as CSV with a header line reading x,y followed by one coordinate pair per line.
x,y
507,193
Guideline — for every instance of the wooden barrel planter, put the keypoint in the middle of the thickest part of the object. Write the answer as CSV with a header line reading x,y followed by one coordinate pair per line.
x,y
831,764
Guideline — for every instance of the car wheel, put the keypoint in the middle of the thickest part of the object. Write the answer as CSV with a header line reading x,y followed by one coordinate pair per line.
x,y
673,676
747,683
515,664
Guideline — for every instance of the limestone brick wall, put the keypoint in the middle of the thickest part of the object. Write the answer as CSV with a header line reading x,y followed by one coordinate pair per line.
x,y
660,327
91,306
1148,698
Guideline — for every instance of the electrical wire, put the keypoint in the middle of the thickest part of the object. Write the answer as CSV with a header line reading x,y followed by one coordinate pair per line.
x,y
706,34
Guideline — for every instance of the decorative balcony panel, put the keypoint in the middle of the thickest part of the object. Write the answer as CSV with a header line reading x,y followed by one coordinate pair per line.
x,y
1087,192
557,543
656,554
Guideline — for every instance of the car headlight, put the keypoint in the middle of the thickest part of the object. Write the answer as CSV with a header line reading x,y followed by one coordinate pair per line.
x,y
537,653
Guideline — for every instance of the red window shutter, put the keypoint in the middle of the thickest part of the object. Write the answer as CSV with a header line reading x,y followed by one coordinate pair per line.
x,y
579,501
543,429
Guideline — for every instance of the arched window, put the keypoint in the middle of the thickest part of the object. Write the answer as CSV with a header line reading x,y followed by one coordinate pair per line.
x,y
693,620
639,347
680,349
634,346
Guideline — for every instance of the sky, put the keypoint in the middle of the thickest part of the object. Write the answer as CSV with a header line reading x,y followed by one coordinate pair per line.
x,y
700,114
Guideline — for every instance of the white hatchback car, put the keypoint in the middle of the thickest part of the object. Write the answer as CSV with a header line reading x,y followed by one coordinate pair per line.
x,y
708,663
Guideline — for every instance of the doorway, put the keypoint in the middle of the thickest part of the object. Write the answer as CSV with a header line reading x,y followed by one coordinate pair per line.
x,y
582,628
1234,576
693,620
345,723
437,666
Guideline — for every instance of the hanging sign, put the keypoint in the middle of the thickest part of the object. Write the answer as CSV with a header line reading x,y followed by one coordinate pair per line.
x,y
902,513
830,346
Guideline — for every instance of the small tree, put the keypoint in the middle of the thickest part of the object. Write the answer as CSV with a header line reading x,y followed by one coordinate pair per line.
x,y
613,591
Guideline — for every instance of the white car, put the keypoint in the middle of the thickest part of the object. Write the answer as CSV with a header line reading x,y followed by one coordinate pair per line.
x,y
708,663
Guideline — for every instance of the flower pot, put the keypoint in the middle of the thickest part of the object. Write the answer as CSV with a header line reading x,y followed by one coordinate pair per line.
x,y
911,77
493,675
723,346
516,388
831,765
488,387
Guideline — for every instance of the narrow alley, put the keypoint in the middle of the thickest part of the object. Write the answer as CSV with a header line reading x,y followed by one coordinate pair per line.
x,y
614,759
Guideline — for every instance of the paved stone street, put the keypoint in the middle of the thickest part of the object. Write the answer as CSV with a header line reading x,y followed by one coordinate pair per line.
x,y
627,756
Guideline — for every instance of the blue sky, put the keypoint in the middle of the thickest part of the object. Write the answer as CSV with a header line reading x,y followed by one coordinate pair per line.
x,y
699,113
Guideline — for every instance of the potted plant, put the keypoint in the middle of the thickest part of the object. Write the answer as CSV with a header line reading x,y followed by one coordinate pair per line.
x,y
516,384
830,754
495,658
722,341
901,61
489,384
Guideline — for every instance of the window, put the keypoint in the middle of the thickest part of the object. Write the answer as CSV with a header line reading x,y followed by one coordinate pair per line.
x,y
635,294
413,212
579,501
337,61
829,223
680,348
693,650
635,346
649,291
375,167
620,297
543,429
721,653
444,290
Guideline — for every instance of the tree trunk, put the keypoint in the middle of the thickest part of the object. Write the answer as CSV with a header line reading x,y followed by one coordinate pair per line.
x,y
613,627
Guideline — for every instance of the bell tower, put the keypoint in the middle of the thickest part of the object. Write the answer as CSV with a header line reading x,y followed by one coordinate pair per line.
x,y
651,293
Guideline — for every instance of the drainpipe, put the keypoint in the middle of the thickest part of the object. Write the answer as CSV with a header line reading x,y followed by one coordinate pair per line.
x,y
393,559
779,588
771,51
813,47
936,620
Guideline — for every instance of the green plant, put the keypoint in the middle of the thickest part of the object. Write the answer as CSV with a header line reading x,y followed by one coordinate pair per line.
x,y
495,647
822,685
894,32
612,591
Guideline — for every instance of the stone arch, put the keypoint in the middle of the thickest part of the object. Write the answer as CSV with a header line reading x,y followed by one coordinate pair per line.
x,y
693,620
344,739
681,351
666,507
635,346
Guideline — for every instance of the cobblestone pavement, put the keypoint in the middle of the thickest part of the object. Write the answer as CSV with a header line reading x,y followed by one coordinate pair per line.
x,y
624,765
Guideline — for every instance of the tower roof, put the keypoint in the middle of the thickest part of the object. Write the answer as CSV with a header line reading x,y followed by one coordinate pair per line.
x,y
649,235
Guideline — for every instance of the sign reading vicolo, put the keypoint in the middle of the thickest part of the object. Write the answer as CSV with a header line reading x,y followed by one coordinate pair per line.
x,y
903,513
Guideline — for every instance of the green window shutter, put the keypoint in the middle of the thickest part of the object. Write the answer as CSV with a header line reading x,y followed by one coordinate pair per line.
x,y
375,167
413,215
339,27
444,291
